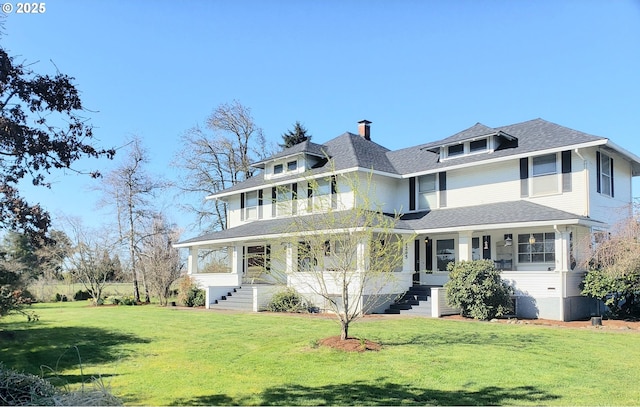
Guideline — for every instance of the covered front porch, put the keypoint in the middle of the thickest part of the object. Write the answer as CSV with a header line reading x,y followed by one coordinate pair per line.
x,y
540,262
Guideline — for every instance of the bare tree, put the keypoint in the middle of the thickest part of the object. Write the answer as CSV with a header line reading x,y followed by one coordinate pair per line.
x,y
348,259
613,262
128,189
217,157
89,262
159,259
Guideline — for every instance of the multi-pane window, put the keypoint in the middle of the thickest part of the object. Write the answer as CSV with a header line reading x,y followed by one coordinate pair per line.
x,y
427,198
478,145
322,195
605,175
284,204
545,174
445,253
537,248
251,205
454,150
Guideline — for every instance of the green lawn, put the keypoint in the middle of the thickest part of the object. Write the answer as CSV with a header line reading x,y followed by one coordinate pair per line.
x,y
161,356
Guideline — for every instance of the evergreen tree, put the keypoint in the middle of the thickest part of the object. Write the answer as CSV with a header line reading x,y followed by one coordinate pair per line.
x,y
295,136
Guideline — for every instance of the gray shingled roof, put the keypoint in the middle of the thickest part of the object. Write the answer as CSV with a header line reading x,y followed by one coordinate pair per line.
x,y
533,135
487,214
350,150
346,151
447,218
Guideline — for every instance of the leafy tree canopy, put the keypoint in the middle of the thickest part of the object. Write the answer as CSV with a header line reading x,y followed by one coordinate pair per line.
x,y
40,129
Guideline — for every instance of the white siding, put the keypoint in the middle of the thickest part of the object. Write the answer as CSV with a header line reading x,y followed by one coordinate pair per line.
x,y
535,284
605,208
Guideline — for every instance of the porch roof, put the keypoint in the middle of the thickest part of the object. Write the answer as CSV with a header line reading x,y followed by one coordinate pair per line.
x,y
487,216
491,216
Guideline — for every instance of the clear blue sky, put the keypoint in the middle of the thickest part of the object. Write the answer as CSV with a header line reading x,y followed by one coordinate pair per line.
x,y
419,70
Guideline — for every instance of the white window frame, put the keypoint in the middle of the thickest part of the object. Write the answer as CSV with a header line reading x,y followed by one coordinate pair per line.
x,y
605,177
278,169
427,195
251,210
284,201
539,247
545,181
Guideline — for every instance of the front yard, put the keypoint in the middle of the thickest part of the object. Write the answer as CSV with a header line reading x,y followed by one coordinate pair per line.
x,y
162,356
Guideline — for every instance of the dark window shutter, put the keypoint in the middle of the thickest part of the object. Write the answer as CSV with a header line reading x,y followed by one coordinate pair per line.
x,y
260,201
486,253
412,193
294,198
309,197
566,171
334,192
274,201
416,249
599,176
429,256
442,185
611,178
242,206
267,259
524,177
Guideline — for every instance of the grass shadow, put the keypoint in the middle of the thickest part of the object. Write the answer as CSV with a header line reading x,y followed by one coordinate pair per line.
x,y
467,338
212,400
363,393
47,351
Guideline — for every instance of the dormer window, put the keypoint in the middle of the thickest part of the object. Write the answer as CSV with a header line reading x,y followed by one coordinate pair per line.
x,y
467,148
278,169
476,146
454,150
292,165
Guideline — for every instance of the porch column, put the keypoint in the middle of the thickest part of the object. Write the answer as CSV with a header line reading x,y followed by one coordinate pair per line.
x,y
236,260
192,260
563,237
465,246
361,249
408,257
288,255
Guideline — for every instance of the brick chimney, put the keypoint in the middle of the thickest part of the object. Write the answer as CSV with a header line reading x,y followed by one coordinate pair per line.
x,y
364,130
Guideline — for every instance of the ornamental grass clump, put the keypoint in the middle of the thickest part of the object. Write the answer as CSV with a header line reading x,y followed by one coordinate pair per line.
x,y
23,389
476,288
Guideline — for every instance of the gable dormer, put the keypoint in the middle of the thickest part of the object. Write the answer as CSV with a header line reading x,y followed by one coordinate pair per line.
x,y
292,161
478,139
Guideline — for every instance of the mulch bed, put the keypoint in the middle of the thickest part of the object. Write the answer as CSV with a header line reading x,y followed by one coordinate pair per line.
x,y
350,344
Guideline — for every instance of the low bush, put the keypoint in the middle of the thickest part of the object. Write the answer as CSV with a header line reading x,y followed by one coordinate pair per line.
x,y
287,300
189,294
476,288
60,298
81,295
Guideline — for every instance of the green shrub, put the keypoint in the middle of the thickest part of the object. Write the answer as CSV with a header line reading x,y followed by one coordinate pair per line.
x,y
476,288
81,295
189,294
60,298
287,300
129,300
620,293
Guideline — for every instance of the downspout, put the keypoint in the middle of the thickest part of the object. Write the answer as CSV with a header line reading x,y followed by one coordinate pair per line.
x,y
586,183
563,272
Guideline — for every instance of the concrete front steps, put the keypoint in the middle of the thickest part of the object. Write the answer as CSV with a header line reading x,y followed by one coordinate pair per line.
x,y
240,299
416,301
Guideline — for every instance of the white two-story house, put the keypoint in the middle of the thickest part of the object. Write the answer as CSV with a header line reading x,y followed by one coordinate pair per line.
x,y
528,196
